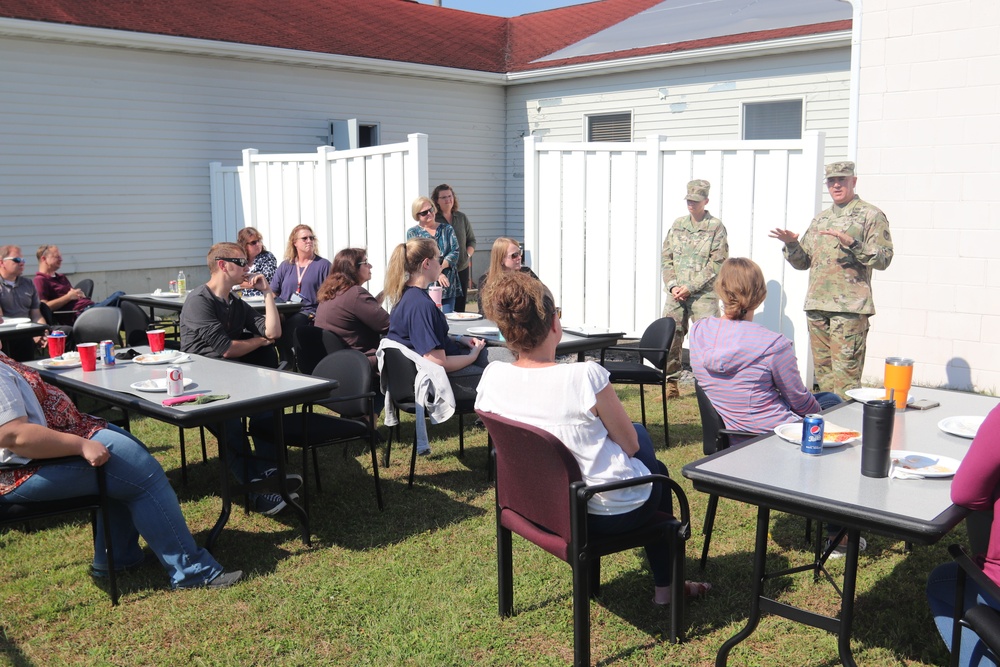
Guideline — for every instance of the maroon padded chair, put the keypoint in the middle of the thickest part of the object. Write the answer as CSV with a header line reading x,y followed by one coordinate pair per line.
x,y
540,496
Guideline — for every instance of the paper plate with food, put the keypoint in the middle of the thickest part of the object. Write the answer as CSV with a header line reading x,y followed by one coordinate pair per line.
x,y
157,384
925,465
67,360
963,427
153,358
865,394
833,435
463,317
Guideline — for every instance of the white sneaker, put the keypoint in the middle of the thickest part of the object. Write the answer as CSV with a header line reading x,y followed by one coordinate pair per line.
x,y
841,549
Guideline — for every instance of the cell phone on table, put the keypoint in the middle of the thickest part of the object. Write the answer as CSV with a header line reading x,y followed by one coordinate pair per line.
x,y
923,404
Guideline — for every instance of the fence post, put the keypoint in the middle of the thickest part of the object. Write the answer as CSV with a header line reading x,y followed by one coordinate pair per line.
x,y
416,169
531,202
649,207
249,187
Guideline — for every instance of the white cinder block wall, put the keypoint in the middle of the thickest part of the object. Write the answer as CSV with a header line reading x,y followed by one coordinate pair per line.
x,y
929,156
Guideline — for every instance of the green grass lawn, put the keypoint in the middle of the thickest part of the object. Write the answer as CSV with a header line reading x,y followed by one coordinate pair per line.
x,y
416,584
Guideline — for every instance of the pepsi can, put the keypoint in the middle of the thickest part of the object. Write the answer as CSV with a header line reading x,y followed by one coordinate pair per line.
x,y
812,435
175,381
106,352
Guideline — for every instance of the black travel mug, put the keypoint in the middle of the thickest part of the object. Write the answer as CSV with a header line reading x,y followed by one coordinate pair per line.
x,y
876,437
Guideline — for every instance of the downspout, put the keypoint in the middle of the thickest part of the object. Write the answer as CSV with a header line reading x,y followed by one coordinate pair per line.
x,y
854,101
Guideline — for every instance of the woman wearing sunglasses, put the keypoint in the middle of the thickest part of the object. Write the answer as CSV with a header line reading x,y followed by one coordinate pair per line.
x,y
505,256
260,258
297,280
424,211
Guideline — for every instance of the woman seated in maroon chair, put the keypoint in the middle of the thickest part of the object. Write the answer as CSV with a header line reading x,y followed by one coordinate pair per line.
x,y
576,403
349,310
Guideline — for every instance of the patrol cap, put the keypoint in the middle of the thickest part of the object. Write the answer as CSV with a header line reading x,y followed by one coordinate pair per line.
x,y
697,190
839,169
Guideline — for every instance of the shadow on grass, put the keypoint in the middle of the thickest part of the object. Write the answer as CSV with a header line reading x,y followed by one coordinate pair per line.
x,y
10,652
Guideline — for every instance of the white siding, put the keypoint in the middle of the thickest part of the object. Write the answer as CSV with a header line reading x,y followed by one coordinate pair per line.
x,y
106,151
685,102
929,156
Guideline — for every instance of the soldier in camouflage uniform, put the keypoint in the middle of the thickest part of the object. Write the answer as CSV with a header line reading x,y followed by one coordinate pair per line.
x,y
693,252
841,248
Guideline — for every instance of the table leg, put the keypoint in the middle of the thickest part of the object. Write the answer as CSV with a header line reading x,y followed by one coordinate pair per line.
x,y
847,601
759,562
227,500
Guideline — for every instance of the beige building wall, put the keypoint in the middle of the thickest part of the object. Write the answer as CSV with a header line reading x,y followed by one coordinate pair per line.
x,y
929,156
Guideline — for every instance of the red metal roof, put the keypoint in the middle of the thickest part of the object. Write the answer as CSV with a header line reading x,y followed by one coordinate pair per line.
x,y
396,30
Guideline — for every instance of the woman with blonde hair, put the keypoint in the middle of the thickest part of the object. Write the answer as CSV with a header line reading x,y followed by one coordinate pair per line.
x,y
505,256
428,226
297,280
576,403
260,259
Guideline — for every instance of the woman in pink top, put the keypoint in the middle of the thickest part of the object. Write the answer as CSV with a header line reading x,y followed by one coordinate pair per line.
x,y
976,486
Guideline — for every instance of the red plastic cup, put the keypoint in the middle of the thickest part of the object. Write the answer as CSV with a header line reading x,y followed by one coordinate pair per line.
x,y
57,344
88,355
157,339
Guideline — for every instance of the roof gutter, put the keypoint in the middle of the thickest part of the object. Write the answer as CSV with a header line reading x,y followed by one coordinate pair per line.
x,y
854,100
729,52
57,32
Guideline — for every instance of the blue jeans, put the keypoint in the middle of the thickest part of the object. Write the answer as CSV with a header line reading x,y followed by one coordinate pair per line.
x,y
448,305
141,503
941,597
243,463
827,399
658,553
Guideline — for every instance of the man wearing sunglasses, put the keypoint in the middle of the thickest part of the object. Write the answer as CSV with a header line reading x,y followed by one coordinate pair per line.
x,y
216,324
18,298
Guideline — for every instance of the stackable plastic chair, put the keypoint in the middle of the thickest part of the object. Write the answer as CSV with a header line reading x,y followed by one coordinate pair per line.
x,y
310,345
87,286
12,513
401,375
540,495
980,618
97,324
353,400
653,347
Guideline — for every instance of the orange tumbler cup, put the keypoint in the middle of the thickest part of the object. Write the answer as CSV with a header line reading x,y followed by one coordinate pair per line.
x,y
898,377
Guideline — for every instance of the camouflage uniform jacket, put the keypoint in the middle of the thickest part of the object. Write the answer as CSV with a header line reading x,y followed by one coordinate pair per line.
x,y
840,278
693,253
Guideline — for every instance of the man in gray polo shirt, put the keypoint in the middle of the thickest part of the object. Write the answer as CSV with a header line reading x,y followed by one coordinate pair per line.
x,y
18,298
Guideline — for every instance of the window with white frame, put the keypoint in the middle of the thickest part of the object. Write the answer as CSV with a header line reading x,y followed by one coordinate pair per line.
x,y
772,120
346,134
610,127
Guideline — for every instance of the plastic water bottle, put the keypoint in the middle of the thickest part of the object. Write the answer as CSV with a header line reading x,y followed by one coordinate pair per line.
x,y
181,283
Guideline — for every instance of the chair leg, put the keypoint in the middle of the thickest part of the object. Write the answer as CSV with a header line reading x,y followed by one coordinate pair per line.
x,y
413,458
642,403
713,503
305,478
319,484
595,578
666,424
388,446
505,570
102,490
677,601
378,482
204,450
581,613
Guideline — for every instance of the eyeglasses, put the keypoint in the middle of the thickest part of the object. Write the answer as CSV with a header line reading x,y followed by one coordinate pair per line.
x,y
514,255
426,211
238,261
307,238
365,263
257,242
16,260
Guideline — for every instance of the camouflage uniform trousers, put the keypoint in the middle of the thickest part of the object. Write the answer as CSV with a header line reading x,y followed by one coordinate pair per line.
x,y
838,342
697,306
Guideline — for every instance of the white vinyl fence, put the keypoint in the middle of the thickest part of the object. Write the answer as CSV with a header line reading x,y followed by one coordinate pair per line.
x,y
353,198
596,215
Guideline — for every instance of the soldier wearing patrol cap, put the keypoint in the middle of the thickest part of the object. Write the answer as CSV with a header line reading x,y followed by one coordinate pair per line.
x,y
841,247
693,252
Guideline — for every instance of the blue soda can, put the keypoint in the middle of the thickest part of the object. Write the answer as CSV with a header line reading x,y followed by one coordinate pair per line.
x,y
106,352
812,435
